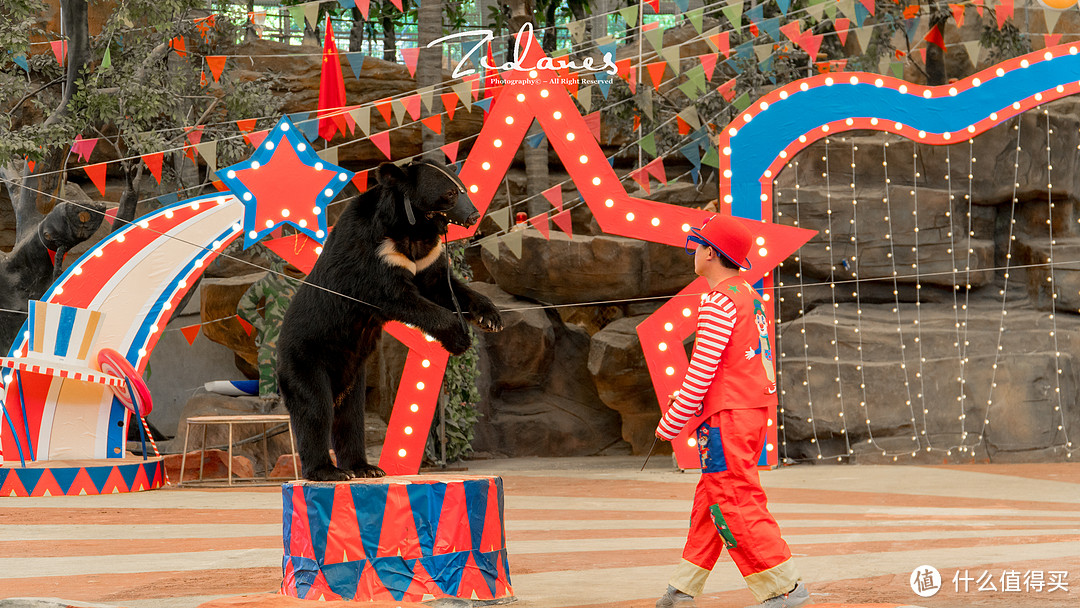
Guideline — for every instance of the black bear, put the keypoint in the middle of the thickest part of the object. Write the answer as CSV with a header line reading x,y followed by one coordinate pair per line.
x,y
384,261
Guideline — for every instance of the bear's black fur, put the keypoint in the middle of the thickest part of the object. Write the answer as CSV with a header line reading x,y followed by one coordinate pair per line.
x,y
385,255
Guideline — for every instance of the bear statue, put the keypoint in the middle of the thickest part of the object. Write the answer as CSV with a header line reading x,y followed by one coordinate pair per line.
x,y
383,261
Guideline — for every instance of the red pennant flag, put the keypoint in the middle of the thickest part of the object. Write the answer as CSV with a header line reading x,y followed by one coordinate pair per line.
x,y
540,222
637,121
554,196
450,150
655,168
708,63
385,108
256,138
911,11
331,88
84,147
202,78
177,44
247,326
449,102
934,37
219,185
31,164
625,69
978,7
1004,11
958,13
245,125
656,72
300,250
97,175
593,122
189,151
754,31
727,90
684,127
191,332
194,135
397,3
382,142
412,106
360,180
365,8
811,43
563,221
722,42
153,162
110,215
59,49
642,179
216,63
922,54
841,26
1048,40
869,5
791,30
411,55
433,122
655,4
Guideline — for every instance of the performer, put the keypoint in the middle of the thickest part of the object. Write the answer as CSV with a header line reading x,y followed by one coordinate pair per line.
x,y
730,387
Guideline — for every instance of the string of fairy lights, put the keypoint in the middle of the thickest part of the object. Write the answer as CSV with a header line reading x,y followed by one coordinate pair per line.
x,y
907,306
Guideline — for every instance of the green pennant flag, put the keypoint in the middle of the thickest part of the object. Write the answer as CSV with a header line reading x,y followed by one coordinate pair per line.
x,y
697,76
712,158
491,245
897,68
733,11
671,56
648,144
863,34
362,116
584,97
742,101
513,242
629,15
297,13
106,60
646,103
464,93
689,90
697,18
816,9
311,14
656,39
762,51
501,217
830,11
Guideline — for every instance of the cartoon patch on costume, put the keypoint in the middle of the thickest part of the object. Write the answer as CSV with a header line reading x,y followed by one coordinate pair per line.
x,y
764,346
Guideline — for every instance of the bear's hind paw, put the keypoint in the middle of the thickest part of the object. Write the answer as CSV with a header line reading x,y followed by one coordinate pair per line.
x,y
368,471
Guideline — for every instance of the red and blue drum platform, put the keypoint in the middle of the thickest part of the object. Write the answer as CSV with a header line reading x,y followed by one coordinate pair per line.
x,y
408,538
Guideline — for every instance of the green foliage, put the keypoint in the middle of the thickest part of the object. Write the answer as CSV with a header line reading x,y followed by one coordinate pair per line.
x,y
459,392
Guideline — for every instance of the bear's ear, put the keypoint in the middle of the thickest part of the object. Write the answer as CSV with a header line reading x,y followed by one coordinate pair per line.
x,y
391,174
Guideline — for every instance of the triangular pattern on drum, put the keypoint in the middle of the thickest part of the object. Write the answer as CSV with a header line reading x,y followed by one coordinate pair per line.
x,y
446,570
344,577
422,584
319,502
398,537
492,538
99,476
46,485
477,578
369,502
299,533
288,577
452,534
503,588
115,483
427,503
343,542
65,477
370,587
320,589
304,572
12,485
130,473
82,485
140,482
396,575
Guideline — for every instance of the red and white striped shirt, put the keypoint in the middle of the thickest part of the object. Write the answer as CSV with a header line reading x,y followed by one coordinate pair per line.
x,y
716,320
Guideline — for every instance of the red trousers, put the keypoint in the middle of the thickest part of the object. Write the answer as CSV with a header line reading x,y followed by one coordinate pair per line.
x,y
730,445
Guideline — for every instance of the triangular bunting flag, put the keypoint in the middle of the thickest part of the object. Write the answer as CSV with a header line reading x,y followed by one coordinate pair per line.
x,y
208,150
245,125
329,155
255,138
783,5
412,104
672,55
362,117
934,37
20,60
427,96
191,332
216,63
762,51
296,12
656,39
365,8
360,180
841,26
433,122
811,43
733,11
1051,39
973,47
554,196
708,64
1004,11
584,97
742,102
1051,16
593,122
385,108
512,240
648,144
540,222
535,139
791,30
399,110
356,62
563,221
696,18
410,55
59,49
712,158
958,13
382,142
106,59
501,217
656,73
97,175
248,328
449,102
630,15
311,14
655,168
577,30
863,35
463,91
727,90
450,150
869,5
642,179
491,245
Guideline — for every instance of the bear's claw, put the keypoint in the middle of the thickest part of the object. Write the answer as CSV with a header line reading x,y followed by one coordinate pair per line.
x,y
330,473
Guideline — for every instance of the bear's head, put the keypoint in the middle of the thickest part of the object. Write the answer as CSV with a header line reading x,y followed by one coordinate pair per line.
x,y
430,192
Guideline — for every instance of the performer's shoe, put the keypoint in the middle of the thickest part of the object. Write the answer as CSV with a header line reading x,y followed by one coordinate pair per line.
x,y
674,598
799,596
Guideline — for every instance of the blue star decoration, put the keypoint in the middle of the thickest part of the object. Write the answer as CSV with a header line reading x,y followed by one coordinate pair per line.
x,y
285,182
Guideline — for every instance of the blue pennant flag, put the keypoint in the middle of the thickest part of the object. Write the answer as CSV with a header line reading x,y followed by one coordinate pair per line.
x,y
604,81
784,6
347,3
766,65
745,50
911,25
692,154
756,14
484,103
356,62
771,27
310,129
458,165
169,198
611,161
20,60
535,140
860,14
684,5
734,65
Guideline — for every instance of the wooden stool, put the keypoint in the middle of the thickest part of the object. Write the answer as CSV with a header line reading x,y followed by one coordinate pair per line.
x,y
264,419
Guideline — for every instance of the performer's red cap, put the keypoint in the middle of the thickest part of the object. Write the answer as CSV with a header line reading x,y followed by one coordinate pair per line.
x,y
728,236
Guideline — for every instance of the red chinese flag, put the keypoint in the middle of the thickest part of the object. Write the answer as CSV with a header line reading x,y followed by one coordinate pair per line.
x,y
331,87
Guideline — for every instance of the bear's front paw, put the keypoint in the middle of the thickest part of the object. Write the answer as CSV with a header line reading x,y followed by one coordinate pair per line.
x,y
485,316
456,340
329,473
368,471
